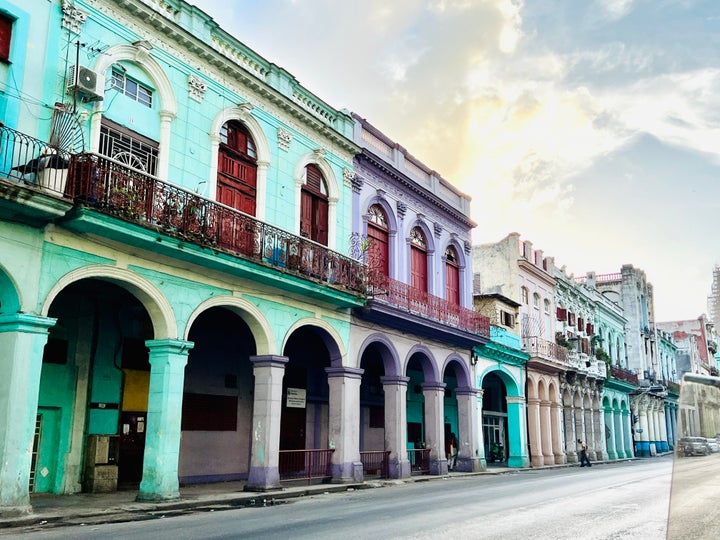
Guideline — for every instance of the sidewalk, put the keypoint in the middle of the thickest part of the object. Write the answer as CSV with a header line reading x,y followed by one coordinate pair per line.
x,y
119,506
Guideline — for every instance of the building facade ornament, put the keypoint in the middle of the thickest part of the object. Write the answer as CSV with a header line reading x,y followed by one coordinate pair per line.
x,y
284,139
357,183
438,229
348,176
73,18
196,88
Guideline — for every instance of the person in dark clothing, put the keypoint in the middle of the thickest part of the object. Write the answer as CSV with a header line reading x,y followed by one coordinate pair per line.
x,y
584,460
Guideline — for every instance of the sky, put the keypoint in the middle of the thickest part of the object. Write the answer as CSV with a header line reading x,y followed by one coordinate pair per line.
x,y
591,127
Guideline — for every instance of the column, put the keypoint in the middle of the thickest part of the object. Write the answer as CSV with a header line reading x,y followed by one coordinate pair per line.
x,y
619,434
662,425
545,434
467,458
571,434
556,421
344,429
168,358
599,434
480,432
536,457
22,339
642,439
395,388
589,433
163,166
269,371
434,394
627,431
652,426
609,421
517,431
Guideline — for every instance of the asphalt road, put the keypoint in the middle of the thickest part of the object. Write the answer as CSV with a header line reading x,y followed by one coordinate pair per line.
x,y
620,500
695,498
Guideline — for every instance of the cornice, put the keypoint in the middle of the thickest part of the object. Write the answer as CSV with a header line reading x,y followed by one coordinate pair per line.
x,y
535,271
501,353
412,186
249,74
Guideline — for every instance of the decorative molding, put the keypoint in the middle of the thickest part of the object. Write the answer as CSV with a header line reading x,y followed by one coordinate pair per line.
x,y
438,229
319,153
73,18
196,88
284,139
401,209
142,50
467,246
357,183
348,177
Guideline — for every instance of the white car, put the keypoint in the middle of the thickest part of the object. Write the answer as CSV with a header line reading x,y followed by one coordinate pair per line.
x,y
713,445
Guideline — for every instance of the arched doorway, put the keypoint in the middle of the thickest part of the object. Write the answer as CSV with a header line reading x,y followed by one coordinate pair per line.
x,y
217,399
495,419
94,382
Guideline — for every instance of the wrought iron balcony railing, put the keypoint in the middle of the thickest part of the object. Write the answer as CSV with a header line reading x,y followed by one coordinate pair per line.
x,y
113,188
623,375
536,346
406,297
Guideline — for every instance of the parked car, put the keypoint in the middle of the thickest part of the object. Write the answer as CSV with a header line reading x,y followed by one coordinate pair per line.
x,y
713,445
693,446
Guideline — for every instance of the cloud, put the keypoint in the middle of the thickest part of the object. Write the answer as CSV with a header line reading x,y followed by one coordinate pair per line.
x,y
616,9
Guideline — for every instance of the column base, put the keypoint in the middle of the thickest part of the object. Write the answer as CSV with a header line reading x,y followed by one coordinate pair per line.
x,y
519,462
263,479
15,511
345,473
438,466
400,469
157,497
469,464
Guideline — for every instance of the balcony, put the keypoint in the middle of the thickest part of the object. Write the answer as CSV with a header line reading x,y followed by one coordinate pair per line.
x,y
538,347
72,185
623,375
404,297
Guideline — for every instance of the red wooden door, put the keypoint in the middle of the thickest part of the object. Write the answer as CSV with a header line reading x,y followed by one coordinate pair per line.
x,y
418,268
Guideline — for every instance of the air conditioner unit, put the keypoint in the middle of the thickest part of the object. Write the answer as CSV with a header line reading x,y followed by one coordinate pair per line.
x,y
89,85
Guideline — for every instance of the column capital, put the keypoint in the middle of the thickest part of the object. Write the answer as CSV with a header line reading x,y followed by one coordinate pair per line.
x,y
515,399
394,380
466,391
433,386
350,373
269,360
25,322
177,346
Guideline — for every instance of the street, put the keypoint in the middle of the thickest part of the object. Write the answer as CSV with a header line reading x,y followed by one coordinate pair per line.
x,y
619,500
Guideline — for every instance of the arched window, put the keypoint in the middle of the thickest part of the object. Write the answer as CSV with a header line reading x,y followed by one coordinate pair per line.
x,y
452,276
377,233
237,168
418,260
314,206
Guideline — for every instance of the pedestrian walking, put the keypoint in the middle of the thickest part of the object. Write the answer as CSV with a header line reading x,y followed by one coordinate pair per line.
x,y
451,451
584,460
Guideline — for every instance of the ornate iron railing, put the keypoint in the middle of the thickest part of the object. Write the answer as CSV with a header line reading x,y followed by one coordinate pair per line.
x,y
115,189
537,346
623,375
406,297
376,463
308,465
32,161
419,460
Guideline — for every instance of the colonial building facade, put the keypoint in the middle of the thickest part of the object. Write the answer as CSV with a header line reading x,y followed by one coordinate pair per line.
x,y
175,290
415,337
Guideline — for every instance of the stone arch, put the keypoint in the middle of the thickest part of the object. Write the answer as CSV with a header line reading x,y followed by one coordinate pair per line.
x,y
462,374
388,352
511,384
427,361
242,113
318,159
265,342
552,392
157,306
532,387
329,336
10,296
139,54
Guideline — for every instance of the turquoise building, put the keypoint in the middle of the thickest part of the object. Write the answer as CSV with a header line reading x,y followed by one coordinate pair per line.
x,y
175,285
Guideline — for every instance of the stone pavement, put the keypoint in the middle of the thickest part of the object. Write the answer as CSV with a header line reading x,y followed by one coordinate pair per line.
x,y
120,506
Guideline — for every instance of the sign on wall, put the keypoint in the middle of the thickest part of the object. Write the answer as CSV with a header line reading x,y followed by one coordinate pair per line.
x,y
296,398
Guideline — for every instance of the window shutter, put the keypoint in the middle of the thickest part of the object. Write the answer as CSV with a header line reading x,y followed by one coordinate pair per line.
x,y
561,314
